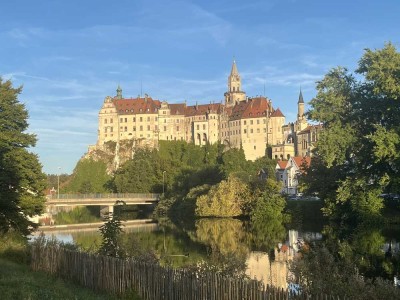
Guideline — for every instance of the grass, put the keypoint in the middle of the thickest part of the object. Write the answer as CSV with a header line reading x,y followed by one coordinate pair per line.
x,y
18,281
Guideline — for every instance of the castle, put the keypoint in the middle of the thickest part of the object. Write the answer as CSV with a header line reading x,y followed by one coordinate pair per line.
x,y
248,122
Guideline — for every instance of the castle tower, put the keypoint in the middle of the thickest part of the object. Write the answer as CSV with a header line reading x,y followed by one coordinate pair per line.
x,y
234,93
301,122
300,107
119,92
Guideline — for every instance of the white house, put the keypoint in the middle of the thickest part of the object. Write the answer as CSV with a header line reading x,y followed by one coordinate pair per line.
x,y
289,171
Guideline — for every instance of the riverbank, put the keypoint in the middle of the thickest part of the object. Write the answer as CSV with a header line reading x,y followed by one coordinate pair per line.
x,y
18,281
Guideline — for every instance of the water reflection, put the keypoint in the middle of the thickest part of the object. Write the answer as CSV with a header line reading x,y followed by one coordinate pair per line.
x,y
231,245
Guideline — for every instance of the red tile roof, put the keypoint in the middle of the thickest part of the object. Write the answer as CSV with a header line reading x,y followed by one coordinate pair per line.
x,y
277,113
177,109
137,106
203,109
300,161
282,164
252,108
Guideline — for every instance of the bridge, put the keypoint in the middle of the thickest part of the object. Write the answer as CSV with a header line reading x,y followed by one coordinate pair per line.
x,y
106,201
101,199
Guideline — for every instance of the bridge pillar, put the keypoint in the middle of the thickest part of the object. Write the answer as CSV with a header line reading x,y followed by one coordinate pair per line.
x,y
106,211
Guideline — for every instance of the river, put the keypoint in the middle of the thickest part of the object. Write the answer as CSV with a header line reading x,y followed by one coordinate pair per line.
x,y
263,252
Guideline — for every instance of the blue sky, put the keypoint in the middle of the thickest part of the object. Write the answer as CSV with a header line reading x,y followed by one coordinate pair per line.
x,y
69,55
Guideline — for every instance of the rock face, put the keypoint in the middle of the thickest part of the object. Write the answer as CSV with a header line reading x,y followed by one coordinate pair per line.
x,y
115,154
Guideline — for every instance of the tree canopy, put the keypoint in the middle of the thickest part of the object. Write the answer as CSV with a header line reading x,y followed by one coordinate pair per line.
x,y
22,181
358,152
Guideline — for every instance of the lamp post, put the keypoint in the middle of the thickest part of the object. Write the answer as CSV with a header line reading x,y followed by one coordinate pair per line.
x,y
58,183
163,182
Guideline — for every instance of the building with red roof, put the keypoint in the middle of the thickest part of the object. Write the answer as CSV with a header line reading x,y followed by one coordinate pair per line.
x,y
241,121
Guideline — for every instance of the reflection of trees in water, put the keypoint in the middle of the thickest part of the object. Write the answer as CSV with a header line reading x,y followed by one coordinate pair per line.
x,y
266,234
226,240
363,245
223,236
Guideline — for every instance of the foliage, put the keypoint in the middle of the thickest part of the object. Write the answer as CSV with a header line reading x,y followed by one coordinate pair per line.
x,y
81,214
22,182
142,174
14,247
89,176
52,180
230,198
357,156
342,280
267,217
111,237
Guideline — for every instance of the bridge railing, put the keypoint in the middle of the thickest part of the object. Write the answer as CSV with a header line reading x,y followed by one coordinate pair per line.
x,y
118,196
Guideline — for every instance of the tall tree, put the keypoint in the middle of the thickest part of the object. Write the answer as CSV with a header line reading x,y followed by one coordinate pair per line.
x,y
359,149
22,181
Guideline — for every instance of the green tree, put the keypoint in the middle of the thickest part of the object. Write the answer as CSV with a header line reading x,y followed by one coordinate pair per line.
x,y
22,182
140,174
359,149
267,217
89,176
230,198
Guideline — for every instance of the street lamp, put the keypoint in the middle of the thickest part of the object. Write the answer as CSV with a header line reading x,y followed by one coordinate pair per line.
x,y
163,182
58,183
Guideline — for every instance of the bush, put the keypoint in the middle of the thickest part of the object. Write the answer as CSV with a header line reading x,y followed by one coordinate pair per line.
x,y
14,247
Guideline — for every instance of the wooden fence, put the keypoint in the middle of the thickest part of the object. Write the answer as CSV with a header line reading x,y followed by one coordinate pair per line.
x,y
150,281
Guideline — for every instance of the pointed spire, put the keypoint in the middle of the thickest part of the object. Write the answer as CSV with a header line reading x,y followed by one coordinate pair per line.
x,y
234,70
300,97
119,92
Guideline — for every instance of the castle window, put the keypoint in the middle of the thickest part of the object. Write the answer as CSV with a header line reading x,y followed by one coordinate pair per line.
x,y
164,112
177,128
141,128
131,110
105,129
258,121
265,130
244,122
155,119
251,121
264,121
134,119
204,126
198,127
148,119
141,119
254,147
251,130
148,127
111,120
148,109
258,130
126,110
120,120
134,128
156,128
165,128
105,121
140,110
111,129
165,120
126,119
126,128
245,130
